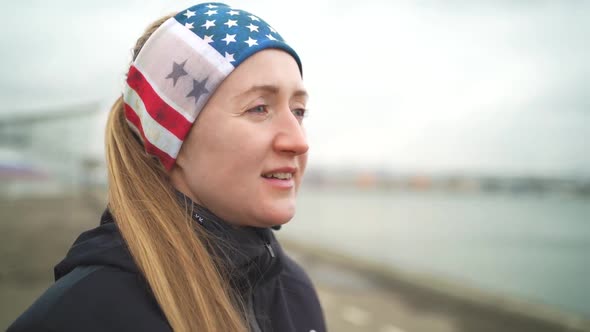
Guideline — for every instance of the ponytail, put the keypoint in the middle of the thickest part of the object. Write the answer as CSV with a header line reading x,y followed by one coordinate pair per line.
x,y
170,252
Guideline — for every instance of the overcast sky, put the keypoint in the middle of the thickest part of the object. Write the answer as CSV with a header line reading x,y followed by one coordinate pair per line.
x,y
492,86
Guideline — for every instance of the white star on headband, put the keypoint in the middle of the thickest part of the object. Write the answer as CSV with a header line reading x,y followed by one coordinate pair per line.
x,y
254,18
251,42
208,39
208,24
189,14
229,39
211,12
231,23
211,6
271,37
233,12
229,57
252,27
189,25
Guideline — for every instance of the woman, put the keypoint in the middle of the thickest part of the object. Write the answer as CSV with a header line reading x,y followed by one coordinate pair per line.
x,y
205,153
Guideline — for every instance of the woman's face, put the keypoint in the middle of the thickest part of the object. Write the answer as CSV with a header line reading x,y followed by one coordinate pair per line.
x,y
248,134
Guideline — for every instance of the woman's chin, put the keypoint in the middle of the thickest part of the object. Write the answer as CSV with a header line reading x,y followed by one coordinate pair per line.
x,y
276,215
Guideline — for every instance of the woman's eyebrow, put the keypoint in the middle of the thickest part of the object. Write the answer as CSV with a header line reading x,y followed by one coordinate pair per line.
x,y
271,89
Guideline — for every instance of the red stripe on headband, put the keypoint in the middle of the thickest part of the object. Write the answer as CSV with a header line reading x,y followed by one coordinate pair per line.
x,y
159,110
166,160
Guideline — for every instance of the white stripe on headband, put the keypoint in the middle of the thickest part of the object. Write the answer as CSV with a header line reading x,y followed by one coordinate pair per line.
x,y
155,133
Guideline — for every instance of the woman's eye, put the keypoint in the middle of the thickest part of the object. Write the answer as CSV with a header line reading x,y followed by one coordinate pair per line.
x,y
260,109
300,112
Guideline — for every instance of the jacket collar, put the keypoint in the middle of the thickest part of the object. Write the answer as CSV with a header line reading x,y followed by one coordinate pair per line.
x,y
250,255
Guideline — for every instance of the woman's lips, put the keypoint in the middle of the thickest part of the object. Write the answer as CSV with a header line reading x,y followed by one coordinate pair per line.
x,y
278,183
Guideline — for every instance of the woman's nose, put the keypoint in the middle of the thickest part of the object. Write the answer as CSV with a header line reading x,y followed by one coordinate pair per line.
x,y
291,137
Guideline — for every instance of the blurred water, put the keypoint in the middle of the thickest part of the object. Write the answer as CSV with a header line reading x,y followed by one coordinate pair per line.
x,y
531,247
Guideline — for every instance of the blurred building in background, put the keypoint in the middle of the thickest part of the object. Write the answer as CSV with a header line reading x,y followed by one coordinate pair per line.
x,y
51,150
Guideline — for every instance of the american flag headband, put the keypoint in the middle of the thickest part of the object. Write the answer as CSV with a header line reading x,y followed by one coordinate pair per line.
x,y
180,66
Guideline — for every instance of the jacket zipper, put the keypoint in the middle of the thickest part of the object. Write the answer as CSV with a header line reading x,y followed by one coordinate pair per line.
x,y
270,250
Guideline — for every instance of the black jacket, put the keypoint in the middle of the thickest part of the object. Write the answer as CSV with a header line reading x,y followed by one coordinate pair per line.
x,y
99,288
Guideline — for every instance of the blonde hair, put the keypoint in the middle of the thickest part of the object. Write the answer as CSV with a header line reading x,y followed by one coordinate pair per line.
x,y
171,253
